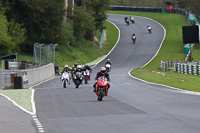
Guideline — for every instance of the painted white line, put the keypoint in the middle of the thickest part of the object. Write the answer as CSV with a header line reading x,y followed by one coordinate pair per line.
x,y
40,126
16,104
177,89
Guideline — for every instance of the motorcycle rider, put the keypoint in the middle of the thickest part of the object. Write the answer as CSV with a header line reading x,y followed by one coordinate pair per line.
x,y
149,28
78,69
99,74
132,19
74,67
86,67
108,62
126,20
65,69
133,37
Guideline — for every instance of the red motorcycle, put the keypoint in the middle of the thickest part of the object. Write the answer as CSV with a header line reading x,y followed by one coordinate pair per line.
x,y
134,39
101,88
132,20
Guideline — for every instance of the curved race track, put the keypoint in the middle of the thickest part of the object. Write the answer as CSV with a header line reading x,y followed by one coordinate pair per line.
x,y
132,106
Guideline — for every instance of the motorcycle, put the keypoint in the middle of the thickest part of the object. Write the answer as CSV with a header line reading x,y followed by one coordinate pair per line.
x,y
149,29
127,21
101,88
134,39
132,20
78,78
65,79
86,75
108,67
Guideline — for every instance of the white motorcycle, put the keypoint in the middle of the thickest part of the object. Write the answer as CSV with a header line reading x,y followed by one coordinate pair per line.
x,y
65,79
86,75
149,29
108,67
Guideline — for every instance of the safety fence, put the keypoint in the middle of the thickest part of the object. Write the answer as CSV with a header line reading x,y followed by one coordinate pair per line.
x,y
164,65
43,54
183,67
190,68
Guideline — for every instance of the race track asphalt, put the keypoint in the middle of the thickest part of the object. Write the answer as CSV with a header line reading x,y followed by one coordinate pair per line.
x,y
132,106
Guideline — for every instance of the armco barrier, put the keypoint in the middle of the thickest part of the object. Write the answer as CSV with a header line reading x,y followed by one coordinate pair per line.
x,y
146,9
32,77
138,9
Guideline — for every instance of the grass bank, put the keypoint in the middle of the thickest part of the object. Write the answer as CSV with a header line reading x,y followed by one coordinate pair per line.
x,y
172,49
87,51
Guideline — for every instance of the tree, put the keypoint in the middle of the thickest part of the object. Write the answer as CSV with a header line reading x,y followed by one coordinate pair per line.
x,y
84,23
99,8
12,35
41,18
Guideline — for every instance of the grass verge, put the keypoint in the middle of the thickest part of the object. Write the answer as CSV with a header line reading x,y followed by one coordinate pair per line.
x,y
172,49
22,97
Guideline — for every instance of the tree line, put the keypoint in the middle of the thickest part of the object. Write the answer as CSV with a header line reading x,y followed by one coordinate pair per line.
x,y
25,22
191,5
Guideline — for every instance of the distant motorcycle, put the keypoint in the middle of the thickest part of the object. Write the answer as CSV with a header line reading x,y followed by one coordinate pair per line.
x,y
133,39
86,75
65,79
149,29
101,88
108,67
126,20
78,78
132,20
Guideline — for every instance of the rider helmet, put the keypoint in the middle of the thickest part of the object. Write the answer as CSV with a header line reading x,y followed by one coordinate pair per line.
x,y
103,70
148,25
75,64
86,65
66,66
79,67
108,60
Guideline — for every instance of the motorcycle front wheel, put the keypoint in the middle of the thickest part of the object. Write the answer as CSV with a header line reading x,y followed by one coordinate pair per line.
x,y
101,94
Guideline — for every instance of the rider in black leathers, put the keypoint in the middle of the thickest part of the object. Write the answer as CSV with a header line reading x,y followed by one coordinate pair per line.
x,y
108,62
74,67
66,68
86,67
102,73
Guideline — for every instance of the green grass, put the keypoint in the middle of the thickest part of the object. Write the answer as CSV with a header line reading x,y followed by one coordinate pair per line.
x,y
174,79
195,52
87,51
21,97
172,49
